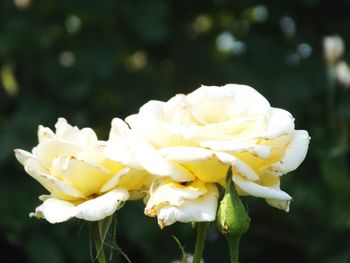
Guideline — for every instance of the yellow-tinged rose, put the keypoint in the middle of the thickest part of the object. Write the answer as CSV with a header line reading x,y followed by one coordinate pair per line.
x,y
200,135
71,164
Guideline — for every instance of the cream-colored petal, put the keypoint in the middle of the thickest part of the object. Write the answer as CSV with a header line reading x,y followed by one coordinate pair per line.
x,y
136,180
119,130
202,209
117,148
280,122
22,156
50,149
236,146
212,104
55,210
152,111
238,166
295,152
169,192
130,179
85,137
153,163
102,206
257,190
209,171
45,133
81,175
283,205
55,186
185,154
113,182
119,151
178,111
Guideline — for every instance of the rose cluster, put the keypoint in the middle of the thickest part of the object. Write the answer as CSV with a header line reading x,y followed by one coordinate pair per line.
x,y
174,155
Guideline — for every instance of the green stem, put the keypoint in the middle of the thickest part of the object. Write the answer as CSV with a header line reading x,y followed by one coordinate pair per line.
x,y
100,253
200,240
331,98
233,242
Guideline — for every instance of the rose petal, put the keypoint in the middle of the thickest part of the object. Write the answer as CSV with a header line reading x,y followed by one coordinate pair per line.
x,y
185,154
295,152
57,211
50,149
235,146
83,176
213,104
28,159
257,190
152,162
283,205
55,186
178,111
119,130
102,206
238,166
169,192
281,122
85,137
152,111
202,209
113,182
45,133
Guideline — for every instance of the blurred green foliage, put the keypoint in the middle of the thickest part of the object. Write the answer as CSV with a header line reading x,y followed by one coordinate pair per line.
x,y
90,61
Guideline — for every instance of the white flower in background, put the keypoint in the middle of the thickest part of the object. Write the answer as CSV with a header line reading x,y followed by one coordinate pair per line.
x,y
198,136
72,166
333,49
342,71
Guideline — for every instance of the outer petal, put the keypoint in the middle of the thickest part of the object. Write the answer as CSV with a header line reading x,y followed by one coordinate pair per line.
x,y
102,206
57,211
283,205
257,190
202,209
169,192
55,186
236,146
117,148
152,111
295,152
185,154
152,162
28,159
280,122
85,137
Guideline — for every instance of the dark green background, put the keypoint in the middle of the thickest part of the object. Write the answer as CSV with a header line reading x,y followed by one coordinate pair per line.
x,y
128,52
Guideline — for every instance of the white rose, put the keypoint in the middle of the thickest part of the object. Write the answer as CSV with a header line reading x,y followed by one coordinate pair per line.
x,y
333,49
199,135
72,166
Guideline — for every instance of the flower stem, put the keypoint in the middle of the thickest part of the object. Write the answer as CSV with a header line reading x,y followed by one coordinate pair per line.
x,y
233,242
100,253
331,99
200,240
